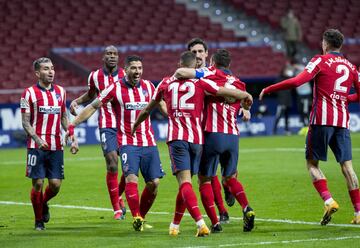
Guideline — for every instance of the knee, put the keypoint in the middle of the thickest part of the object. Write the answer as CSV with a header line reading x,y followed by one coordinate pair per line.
x,y
111,162
38,184
131,178
153,185
55,185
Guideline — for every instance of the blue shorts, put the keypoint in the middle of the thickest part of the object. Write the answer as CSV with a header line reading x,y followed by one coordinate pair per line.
x,y
184,156
108,137
219,147
145,158
320,137
45,164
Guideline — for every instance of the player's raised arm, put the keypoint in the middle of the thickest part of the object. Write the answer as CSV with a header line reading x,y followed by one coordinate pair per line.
x,y
290,83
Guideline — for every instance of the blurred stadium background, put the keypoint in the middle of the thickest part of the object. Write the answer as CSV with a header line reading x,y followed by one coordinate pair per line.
x,y
73,34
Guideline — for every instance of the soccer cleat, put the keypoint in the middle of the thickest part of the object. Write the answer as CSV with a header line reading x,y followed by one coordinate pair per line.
x,y
249,219
119,215
356,220
224,218
202,231
45,213
217,228
39,225
229,198
122,206
174,230
138,224
330,209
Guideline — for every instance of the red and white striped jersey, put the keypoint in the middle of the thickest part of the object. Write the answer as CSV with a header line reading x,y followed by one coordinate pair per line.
x,y
220,115
46,107
333,78
127,102
185,104
97,81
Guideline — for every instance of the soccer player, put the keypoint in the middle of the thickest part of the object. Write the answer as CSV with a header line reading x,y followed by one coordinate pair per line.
x,y
221,137
43,112
200,49
98,80
333,77
185,103
129,96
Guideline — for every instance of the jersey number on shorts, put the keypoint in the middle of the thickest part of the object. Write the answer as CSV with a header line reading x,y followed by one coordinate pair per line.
x,y
341,69
31,160
182,103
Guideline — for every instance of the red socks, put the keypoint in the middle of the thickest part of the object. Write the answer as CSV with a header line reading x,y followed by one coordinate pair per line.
x,y
48,194
321,187
190,200
216,187
207,198
132,197
122,185
355,199
113,189
147,199
179,208
37,203
237,190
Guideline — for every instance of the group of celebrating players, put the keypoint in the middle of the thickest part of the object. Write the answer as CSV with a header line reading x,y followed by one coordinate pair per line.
x,y
202,104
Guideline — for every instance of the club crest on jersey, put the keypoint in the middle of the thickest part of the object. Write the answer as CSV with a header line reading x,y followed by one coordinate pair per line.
x,y
145,92
58,97
49,109
135,105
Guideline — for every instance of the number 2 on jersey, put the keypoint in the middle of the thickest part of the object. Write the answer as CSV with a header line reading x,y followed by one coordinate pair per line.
x,y
341,69
181,103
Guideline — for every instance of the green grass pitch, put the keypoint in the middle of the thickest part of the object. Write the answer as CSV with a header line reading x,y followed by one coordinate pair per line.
x,y
272,170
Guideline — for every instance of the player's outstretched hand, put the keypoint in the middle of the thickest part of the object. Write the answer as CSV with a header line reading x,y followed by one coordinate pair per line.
x,y
73,107
261,96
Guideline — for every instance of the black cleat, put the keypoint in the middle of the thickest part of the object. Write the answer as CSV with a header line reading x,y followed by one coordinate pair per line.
x,y
45,213
224,218
217,228
123,209
229,198
249,219
39,226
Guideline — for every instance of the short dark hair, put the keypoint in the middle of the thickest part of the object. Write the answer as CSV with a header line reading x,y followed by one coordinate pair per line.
x,y
187,58
39,61
196,41
132,58
221,58
334,38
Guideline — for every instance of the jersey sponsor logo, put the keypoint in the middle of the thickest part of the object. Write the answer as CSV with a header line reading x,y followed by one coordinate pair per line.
x,y
338,97
135,105
178,114
49,109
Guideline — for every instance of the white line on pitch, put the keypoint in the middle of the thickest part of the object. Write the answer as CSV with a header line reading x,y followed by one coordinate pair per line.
x,y
167,213
256,150
277,242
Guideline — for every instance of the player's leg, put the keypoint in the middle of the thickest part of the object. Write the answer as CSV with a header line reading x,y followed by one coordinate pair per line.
x,y
121,191
317,141
130,161
216,187
55,173
36,171
229,161
229,198
208,168
109,146
340,144
182,167
151,170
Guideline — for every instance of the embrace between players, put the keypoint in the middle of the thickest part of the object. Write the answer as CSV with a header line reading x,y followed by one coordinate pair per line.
x,y
202,105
